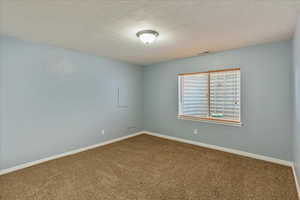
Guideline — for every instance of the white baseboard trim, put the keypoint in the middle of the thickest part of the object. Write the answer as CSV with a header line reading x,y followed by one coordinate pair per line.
x,y
233,151
29,164
296,180
228,150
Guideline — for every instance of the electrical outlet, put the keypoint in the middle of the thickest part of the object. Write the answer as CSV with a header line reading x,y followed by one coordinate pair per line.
x,y
132,128
195,131
102,131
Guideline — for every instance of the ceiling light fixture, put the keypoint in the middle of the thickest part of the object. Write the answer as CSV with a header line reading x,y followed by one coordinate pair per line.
x,y
203,52
147,36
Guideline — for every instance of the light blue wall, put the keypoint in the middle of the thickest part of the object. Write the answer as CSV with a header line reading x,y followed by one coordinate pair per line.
x,y
266,100
54,100
296,86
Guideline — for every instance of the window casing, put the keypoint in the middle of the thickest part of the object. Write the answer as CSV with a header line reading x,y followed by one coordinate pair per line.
x,y
212,96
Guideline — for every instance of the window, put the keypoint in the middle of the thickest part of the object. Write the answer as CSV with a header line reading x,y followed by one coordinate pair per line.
x,y
210,96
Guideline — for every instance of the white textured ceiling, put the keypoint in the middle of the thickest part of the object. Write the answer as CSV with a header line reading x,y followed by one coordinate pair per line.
x,y
187,27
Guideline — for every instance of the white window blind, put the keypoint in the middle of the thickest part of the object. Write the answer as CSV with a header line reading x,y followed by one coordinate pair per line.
x,y
212,95
194,95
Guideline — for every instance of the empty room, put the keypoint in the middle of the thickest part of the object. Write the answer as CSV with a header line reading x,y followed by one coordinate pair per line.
x,y
149,100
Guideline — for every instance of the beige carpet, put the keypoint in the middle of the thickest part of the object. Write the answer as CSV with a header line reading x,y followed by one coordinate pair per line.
x,y
147,167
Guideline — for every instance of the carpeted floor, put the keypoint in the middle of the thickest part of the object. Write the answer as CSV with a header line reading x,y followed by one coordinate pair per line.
x,y
146,167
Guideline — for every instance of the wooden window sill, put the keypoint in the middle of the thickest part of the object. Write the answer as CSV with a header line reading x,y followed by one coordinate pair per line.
x,y
211,120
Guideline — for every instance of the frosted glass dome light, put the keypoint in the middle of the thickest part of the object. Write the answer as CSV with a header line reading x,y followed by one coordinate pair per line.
x,y
147,36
